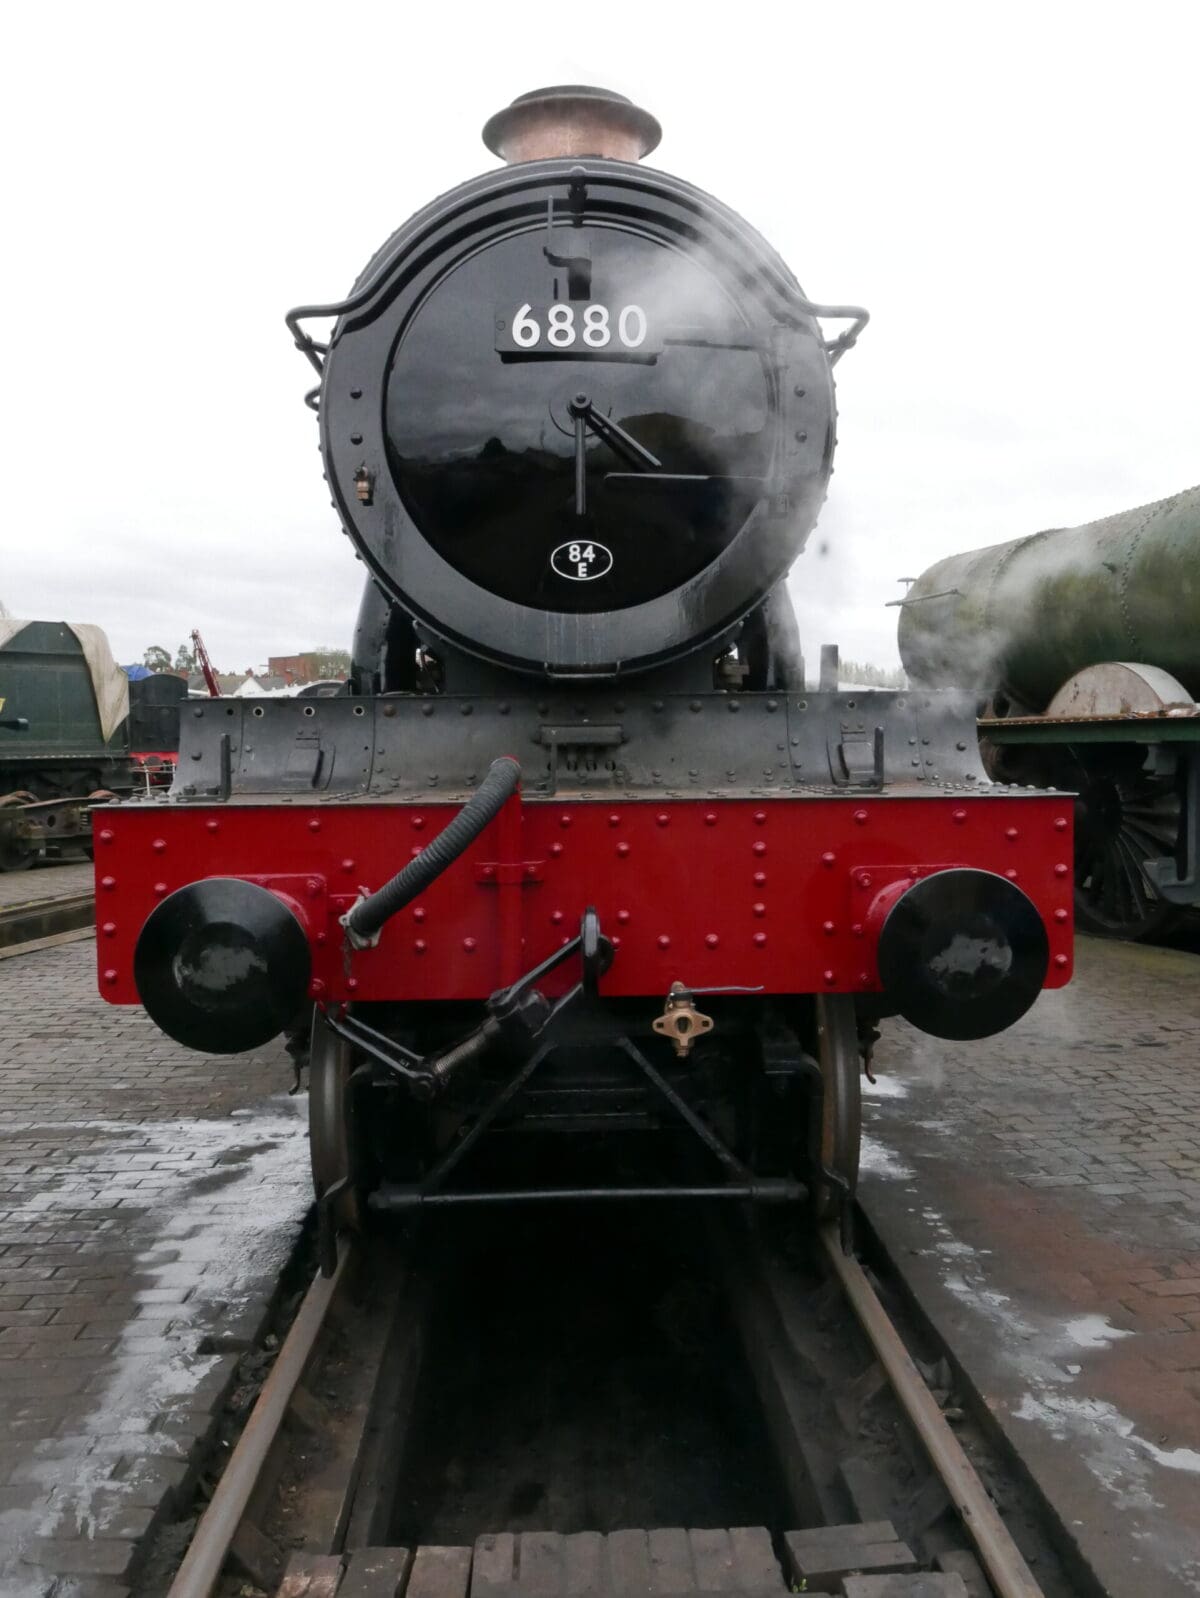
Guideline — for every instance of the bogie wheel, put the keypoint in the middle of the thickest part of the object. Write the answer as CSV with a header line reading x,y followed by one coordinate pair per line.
x,y
334,1147
15,852
841,1101
1124,817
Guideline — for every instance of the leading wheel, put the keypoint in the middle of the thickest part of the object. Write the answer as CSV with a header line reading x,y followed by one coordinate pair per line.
x,y
841,1102
1124,817
333,1146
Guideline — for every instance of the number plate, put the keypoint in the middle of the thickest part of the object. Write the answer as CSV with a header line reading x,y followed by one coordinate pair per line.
x,y
576,331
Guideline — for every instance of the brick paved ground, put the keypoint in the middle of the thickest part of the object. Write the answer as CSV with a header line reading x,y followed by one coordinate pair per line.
x,y
1041,1194
148,1197
45,882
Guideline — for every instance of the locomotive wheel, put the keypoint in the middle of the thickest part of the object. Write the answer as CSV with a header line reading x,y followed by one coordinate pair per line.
x,y
333,1146
841,1100
15,853
1123,818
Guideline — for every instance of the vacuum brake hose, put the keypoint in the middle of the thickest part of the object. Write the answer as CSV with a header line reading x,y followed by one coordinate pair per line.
x,y
364,921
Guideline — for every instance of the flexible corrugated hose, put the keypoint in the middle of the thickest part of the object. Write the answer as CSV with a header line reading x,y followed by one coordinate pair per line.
x,y
484,805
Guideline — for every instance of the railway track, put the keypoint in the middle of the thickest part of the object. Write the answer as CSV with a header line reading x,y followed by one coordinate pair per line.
x,y
42,922
436,1403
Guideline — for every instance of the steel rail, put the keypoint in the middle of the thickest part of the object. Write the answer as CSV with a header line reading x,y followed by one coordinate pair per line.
x,y
999,1554
210,1545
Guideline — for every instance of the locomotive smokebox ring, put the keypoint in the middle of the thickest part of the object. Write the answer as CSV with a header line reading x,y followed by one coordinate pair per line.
x,y
963,954
222,965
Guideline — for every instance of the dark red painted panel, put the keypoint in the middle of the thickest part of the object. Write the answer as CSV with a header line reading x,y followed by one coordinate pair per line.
x,y
772,893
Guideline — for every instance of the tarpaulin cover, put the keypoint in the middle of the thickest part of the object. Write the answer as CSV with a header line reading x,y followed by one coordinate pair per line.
x,y
110,685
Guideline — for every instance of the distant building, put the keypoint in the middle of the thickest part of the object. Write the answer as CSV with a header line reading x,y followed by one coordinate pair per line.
x,y
294,669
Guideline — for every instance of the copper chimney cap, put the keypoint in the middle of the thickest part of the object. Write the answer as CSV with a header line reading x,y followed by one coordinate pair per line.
x,y
571,119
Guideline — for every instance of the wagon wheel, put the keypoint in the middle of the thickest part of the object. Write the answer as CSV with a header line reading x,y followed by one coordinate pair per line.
x,y
333,1145
15,853
841,1099
1124,817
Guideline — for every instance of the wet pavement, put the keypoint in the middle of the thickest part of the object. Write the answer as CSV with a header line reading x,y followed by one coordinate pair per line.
x,y
1040,1194
148,1199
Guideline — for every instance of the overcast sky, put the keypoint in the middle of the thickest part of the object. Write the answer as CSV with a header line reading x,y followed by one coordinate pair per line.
x,y
1010,188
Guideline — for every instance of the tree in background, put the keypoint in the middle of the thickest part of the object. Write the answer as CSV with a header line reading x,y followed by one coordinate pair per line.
x,y
156,658
329,662
871,676
185,659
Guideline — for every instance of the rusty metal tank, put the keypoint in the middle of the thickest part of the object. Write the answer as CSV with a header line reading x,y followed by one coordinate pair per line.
x,y
1015,621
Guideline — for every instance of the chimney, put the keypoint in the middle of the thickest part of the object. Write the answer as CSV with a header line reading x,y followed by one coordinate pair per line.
x,y
571,120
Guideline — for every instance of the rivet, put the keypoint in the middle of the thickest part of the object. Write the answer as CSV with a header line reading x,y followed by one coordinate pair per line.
x,y
1011,875
712,940
733,705
856,929
109,929
759,939
419,913
564,820
759,847
663,819
427,710
557,848
531,871
557,917
419,946
828,928
1060,824
615,941
1060,960
760,879
1011,832
663,941
1060,915
799,393
418,823
465,710
213,826
622,849
801,438
356,393
160,888
110,976
623,916
960,746
864,979
829,977
469,945
863,879
695,705
314,888
960,816
347,865
828,858
389,711
489,871
614,820
861,817
505,709
658,704
1061,870
322,937
356,438
760,818
710,818
352,983
772,704
314,826
759,909
106,835
316,988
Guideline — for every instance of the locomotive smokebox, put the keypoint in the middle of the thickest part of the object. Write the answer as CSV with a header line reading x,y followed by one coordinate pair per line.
x,y
962,953
571,120
222,965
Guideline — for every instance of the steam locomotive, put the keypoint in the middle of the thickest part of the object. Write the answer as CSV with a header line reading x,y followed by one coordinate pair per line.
x,y
580,853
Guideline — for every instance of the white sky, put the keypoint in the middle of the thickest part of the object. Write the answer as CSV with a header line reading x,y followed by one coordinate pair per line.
x,y
1010,188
